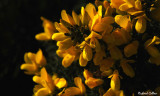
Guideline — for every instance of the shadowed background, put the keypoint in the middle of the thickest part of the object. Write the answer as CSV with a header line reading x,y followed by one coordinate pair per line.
x,y
19,22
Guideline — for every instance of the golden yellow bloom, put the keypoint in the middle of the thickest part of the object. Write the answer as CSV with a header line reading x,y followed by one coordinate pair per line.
x,y
49,29
133,7
45,80
115,82
69,55
33,62
131,49
115,52
127,69
111,92
79,90
124,22
106,64
90,81
47,84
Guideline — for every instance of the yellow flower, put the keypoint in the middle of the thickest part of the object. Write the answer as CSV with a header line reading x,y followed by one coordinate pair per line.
x,y
127,69
111,92
98,57
69,55
45,80
115,82
79,33
90,81
49,29
131,49
47,84
124,22
33,62
79,90
133,7
115,52
106,64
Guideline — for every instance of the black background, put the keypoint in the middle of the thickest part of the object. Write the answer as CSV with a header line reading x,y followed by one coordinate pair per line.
x,y
19,22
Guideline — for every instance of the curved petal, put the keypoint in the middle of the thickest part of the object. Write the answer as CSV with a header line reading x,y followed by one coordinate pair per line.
x,y
141,25
60,82
29,67
59,36
42,92
42,36
79,84
91,10
67,60
82,61
40,59
65,44
37,79
72,91
87,74
76,18
93,82
87,53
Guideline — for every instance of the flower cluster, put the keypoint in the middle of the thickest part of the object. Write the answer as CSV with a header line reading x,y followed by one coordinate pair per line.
x,y
107,36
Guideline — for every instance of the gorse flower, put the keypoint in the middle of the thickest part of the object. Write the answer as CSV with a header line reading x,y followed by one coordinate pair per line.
x,y
33,62
107,40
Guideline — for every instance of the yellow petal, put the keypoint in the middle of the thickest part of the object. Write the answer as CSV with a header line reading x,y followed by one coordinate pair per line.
x,y
155,60
61,28
141,25
130,3
44,74
138,5
82,61
106,64
67,60
72,91
59,36
42,92
98,57
91,10
65,44
37,79
66,17
87,53
100,10
93,82
107,72
124,7
123,21
87,74
76,18
116,3
40,59
84,17
131,49
61,53
115,82
153,51
30,68
42,36
79,84
110,92
60,82
26,58
93,35
127,69
116,53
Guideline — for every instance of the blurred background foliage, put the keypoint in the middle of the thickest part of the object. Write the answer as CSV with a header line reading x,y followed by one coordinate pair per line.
x,y
19,22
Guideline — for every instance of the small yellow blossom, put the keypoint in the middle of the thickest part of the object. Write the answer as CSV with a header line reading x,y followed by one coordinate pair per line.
x,y
45,80
90,81
115,82
131,49
47,84
33,62
115,52
127,69
79,90
49,29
